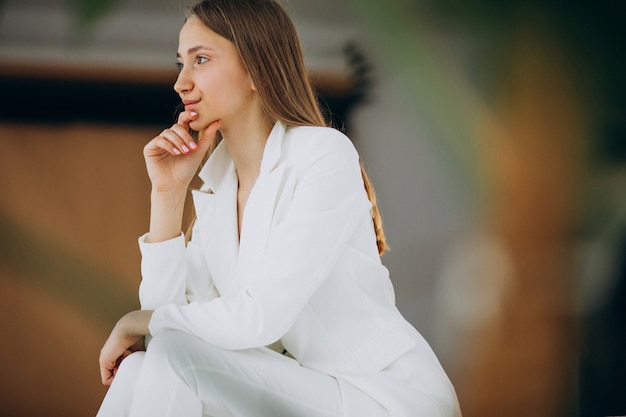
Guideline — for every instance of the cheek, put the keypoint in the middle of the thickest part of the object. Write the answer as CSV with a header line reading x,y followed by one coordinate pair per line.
x,y
237,82
216,93
223,94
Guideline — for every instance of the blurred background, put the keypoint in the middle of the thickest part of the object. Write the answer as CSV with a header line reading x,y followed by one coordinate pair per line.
x,y
494,133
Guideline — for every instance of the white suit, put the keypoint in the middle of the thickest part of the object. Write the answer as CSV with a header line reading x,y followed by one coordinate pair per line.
x,y
305,271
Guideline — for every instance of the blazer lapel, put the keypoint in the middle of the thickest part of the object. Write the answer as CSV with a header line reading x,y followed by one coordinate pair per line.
x,y
216,209
258,214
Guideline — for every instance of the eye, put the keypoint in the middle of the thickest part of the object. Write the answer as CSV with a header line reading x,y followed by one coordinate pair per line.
x,y
179,66
202,59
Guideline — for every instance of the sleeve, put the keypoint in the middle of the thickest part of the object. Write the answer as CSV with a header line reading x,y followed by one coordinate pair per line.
x,y
173,273
329,200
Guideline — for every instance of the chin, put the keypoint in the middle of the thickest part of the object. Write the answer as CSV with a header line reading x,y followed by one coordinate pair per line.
x,y
198,125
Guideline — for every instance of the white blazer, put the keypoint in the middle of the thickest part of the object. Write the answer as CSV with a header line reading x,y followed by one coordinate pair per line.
x,y
304,271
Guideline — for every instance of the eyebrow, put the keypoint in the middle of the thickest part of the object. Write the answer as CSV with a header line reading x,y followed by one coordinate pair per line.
x,y
194,49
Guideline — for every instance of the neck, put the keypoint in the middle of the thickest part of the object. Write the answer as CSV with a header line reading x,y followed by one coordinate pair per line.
x,y
246,144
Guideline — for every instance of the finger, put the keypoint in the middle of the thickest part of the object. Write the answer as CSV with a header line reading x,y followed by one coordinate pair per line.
x,y
106,373
107,379
184,135
185,117
124,356
173,136
159,145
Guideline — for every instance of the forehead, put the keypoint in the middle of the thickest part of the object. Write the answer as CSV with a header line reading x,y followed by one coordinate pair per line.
x,y
194,33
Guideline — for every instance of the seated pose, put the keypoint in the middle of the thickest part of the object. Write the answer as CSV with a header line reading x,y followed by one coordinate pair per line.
x,y
276,303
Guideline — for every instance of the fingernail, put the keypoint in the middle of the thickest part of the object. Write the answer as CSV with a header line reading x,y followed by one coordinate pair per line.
x,y
185,149
193,114
176,151
193,145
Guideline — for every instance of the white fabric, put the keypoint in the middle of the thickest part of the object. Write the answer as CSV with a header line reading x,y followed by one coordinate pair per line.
x,y
183,376
304,271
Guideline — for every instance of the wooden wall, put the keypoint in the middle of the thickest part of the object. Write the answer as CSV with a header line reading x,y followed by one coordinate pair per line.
x,y
74,200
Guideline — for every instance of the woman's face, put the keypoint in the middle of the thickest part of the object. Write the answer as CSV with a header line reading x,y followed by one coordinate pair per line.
x,y
212,80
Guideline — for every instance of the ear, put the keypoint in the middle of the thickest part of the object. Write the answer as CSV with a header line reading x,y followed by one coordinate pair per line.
x,y
251,82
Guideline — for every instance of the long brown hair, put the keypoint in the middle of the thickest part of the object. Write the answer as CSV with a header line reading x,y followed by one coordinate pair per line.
x,y
270,50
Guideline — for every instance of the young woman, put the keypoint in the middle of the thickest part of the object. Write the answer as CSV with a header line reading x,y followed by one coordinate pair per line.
x,y
278,304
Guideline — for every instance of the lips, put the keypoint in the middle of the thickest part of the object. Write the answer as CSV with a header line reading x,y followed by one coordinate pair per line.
x,y
189,104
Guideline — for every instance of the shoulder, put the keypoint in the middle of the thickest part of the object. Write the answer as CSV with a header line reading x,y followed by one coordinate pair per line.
x,y
316,141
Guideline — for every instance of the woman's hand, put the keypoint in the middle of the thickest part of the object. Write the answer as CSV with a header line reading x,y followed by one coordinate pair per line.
x,y
126,337
172,158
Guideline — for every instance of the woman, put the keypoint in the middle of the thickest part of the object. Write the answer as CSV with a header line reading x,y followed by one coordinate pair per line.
x,y
278,304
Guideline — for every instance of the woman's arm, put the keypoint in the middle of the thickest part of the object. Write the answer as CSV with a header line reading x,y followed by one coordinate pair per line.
x,y
166,214
172,158
127,337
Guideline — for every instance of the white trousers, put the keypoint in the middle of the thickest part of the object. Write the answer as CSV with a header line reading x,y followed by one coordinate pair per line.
x,y
182,376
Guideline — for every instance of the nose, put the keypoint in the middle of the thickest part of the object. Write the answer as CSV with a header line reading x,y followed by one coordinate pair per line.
x,y
183,83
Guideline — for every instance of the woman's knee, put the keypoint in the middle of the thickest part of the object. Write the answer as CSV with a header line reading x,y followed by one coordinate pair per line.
x,y
131,364
165,341
186,355
175,350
